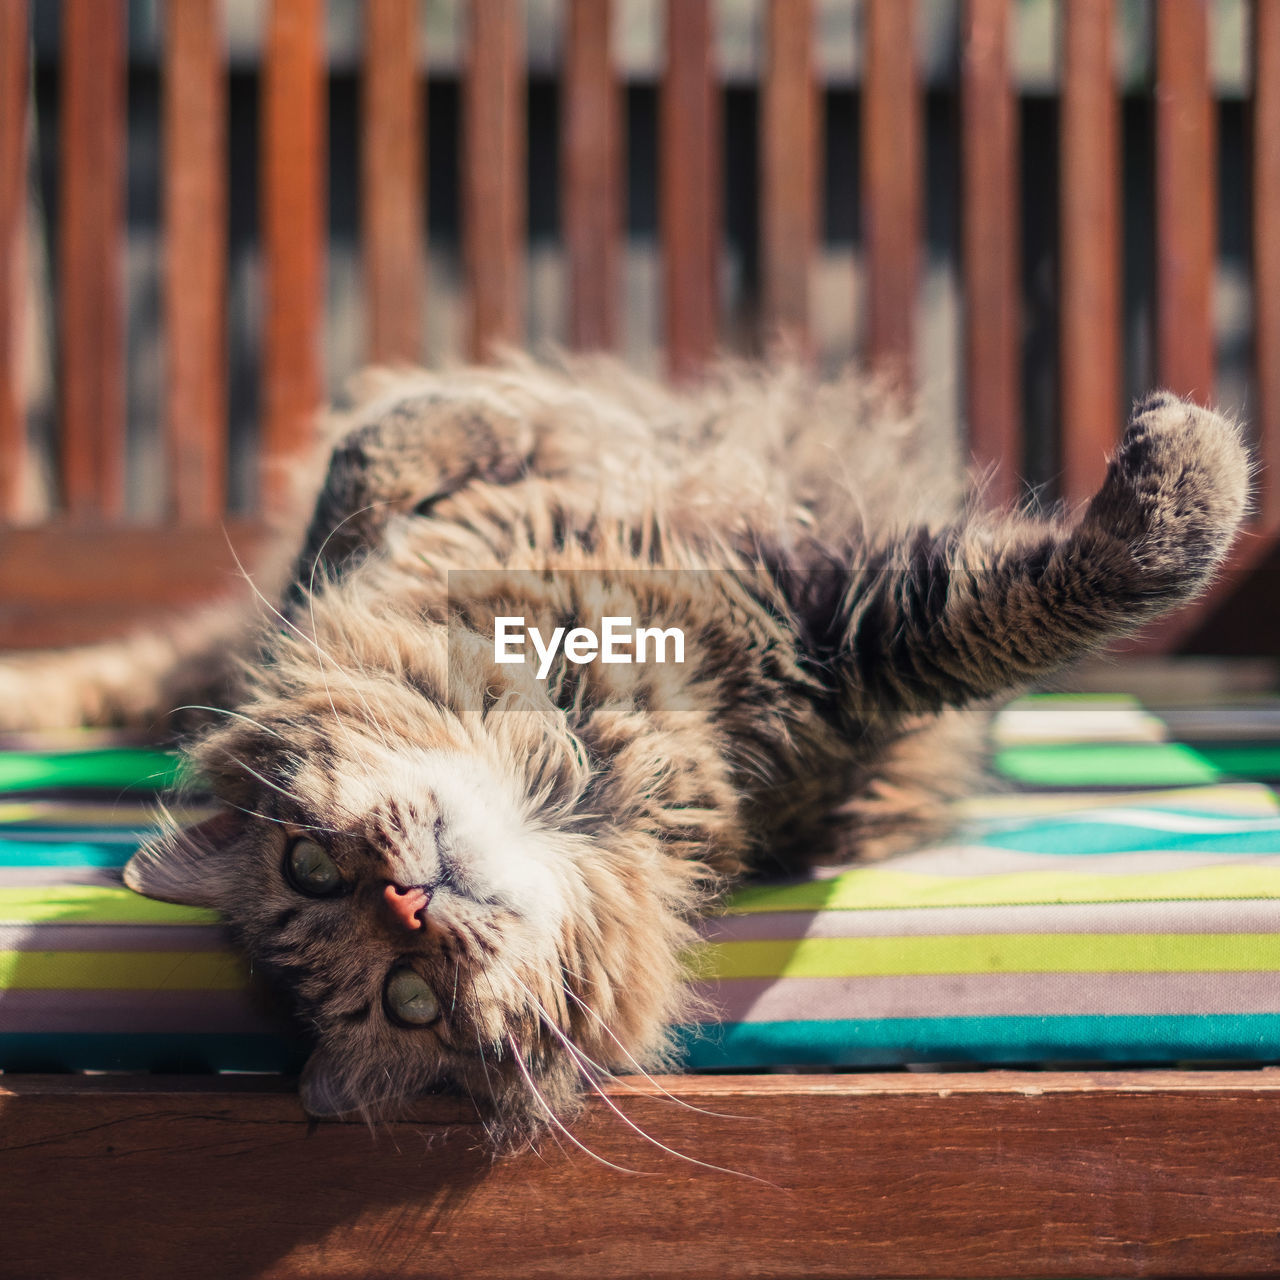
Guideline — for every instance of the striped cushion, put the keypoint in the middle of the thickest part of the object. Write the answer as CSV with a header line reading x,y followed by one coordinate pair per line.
x,y
1058,924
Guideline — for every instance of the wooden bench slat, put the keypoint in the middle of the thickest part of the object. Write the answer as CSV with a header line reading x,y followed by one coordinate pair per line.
x,y
989,220
1186,189
1122,1174
294,232
63,584
90,300
789,172
1091,340
592,175
1266,256
689,189
392,190
494,200
195,257
15,56
892,176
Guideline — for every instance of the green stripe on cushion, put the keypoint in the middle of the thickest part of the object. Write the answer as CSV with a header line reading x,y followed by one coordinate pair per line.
x,y
1131,764
870,888
886,1042
1136,764
121,971
116,768
92,904
990,953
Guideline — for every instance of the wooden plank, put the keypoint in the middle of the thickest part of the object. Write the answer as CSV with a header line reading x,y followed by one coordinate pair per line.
x,y
593,175
195,258
689,189
392,186
1090,338
1186,188
789,173
990,250
1266,257
294,229
999,1174
494,148
73,583
90,301
892,179
131,563
15,54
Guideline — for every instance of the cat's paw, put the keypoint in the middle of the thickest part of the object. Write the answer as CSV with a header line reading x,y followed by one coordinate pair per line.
x,y
1176,490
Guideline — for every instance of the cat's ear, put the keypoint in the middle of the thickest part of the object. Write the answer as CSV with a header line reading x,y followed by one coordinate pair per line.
x,y
190,865
326,1087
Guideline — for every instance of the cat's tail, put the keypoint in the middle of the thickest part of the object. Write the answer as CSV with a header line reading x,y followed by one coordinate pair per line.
x,y
987,605
149,681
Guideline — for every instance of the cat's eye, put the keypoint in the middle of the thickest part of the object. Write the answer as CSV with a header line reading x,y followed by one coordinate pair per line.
x,y
311,870
409,1000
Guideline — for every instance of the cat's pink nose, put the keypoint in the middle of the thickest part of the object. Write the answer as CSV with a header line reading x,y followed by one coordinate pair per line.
x,y
407,905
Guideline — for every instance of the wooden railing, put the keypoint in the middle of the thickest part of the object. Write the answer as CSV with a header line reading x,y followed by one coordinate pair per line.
x,y
37,606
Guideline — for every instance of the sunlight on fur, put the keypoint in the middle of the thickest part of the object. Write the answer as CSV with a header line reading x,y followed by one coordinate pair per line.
x,y
468,878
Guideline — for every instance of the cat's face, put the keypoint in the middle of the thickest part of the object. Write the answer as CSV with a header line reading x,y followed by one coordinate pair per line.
x,y
429,900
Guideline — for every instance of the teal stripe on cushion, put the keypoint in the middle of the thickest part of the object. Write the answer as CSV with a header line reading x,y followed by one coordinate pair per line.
x,y
189,1052
890,1042
1066,837
75,853
119,768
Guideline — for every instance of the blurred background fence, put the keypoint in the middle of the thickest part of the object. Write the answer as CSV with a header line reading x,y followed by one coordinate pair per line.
x,y
213,211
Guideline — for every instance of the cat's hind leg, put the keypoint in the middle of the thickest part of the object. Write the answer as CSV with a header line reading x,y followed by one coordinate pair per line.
x,y
988,604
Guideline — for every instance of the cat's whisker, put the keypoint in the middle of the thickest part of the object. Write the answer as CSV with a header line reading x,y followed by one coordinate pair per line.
x,y
223,711
581,1060
604,1026
285,822
559,1124
662,1146
266,782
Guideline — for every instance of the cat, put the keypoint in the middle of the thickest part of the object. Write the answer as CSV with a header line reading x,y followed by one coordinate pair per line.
x,y
472,878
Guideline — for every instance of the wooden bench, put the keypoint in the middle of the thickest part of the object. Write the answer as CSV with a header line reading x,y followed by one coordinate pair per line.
x,y
998,1173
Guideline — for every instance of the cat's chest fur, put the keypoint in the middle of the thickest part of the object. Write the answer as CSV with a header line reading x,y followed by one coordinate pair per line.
x,y
742,753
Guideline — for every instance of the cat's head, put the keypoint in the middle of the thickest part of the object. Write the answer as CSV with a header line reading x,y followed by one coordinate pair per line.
x,y
429,887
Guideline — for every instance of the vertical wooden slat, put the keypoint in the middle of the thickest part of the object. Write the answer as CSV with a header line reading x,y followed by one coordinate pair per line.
x,y
1186,186
593,175
14,59
391,188
990,244
1266,254
91,307
493,160
892,176
689,182
789,172
294,186
1091,295
195,283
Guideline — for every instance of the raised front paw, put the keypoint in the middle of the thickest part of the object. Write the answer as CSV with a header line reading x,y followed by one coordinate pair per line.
x,y
1176,489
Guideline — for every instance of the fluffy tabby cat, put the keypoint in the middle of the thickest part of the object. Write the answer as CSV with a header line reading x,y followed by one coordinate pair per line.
x,y
469,878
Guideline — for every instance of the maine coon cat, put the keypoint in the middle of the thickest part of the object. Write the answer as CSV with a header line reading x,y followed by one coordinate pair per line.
x,y
469,877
